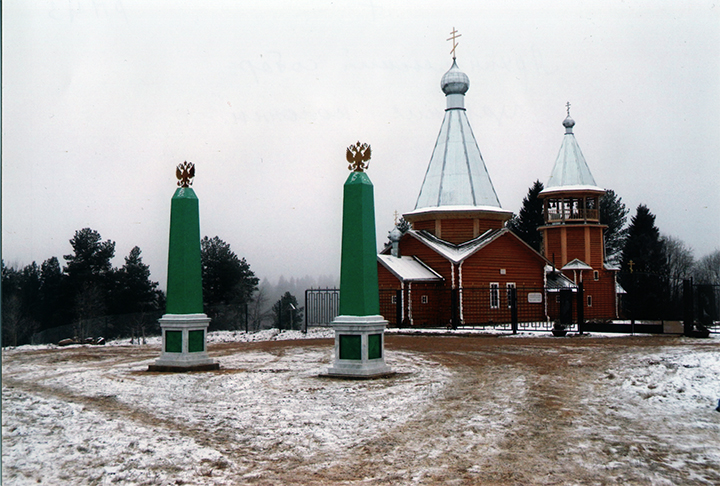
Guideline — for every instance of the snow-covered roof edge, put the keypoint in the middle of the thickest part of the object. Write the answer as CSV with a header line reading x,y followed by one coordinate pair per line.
x,y
409,268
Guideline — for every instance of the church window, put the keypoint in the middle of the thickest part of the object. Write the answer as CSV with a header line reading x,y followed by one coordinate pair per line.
x,y
589,300
596,275
424,299
494,295
509,285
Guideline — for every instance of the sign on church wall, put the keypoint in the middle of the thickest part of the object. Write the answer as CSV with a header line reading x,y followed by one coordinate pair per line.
x,y
535,298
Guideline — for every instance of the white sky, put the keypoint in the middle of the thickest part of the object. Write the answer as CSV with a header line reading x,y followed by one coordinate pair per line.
x,y
101,100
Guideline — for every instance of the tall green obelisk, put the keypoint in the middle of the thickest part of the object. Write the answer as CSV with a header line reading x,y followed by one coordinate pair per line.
x,y
184,325
359,329
358,268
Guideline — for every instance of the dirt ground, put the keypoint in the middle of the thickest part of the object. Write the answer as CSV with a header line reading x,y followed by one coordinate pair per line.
x,y
512,411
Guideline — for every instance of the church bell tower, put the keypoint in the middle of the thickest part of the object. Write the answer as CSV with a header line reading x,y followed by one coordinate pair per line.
x,y
573,238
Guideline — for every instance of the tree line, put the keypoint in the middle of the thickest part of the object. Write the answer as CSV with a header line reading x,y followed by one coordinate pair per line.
x,y
89,297
652,265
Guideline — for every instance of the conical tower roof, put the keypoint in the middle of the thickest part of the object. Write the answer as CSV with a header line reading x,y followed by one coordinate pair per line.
x,y
456,175
570,172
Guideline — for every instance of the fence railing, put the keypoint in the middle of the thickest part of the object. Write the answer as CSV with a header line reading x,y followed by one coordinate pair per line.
x,y
512,309
321,306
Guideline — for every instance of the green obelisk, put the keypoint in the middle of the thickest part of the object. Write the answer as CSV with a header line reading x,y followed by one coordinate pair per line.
x,y
358,268
184,279
359,329
184,325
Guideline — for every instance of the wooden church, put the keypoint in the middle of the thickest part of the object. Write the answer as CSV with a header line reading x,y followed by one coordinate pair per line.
x,y
459,265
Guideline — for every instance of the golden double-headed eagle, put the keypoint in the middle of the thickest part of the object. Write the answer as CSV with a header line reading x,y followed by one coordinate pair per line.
x,y
185,173
357,155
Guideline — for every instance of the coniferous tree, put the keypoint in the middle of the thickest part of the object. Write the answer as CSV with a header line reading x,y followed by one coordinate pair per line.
x,y
135,298
92,257
20,312
12,311
287,313
54,308
228,283
613,213
135,292
644,268
90,278
525,225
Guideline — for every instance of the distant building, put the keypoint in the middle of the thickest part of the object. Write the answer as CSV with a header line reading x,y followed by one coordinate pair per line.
x,y
458,261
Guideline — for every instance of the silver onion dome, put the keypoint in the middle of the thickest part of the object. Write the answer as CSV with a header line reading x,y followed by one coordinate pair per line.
x,y
454,81
395,234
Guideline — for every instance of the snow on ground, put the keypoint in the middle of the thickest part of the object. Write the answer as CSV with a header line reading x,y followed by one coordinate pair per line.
x,y
117,423
469,410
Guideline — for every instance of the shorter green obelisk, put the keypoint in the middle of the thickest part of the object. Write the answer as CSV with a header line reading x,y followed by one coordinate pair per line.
x,y
184,325
359,329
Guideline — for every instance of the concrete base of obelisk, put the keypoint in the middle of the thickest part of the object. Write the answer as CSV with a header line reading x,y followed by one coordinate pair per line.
x,y
184,344
359,347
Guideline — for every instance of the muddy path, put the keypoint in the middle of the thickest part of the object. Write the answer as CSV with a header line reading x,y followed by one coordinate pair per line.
x,y
512,411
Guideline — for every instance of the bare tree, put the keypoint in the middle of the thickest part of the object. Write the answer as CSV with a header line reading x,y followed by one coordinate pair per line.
x,y
679,258
16,326
679,263
258,312
707,269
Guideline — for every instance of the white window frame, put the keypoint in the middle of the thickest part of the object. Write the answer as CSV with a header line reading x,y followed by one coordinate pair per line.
x,y
589,300
596,275
494,295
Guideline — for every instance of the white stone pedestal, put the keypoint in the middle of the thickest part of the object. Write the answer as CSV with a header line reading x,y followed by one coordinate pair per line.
x,y
359,347
184,344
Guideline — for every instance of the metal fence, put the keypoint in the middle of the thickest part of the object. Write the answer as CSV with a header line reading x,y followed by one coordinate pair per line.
x,y
701,307
444,308
515,309
321,306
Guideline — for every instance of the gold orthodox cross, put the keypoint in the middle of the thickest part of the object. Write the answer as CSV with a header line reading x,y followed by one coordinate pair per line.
x,y
453,37
631,264
396,215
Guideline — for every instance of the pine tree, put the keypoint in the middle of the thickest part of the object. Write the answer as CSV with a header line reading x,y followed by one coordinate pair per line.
x,y
20,295
613,213
54,308
90,278
91,257
287,313
530,218
226,278
134,291
228,284
644,268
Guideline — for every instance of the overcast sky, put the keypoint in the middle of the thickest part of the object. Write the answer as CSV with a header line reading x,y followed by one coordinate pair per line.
x,y
102,99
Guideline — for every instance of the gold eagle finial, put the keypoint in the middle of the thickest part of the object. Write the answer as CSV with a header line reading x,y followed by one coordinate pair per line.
x,y
185,173
357,155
